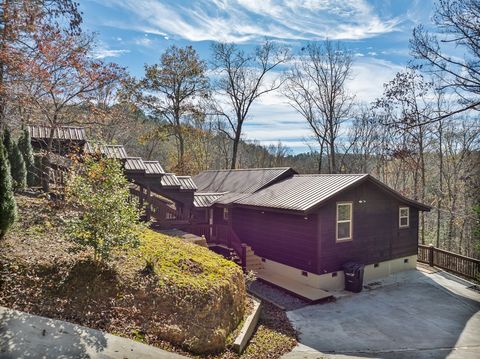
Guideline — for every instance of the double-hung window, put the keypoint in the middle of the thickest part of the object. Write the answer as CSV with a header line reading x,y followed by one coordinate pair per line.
x,y
404,217
344,221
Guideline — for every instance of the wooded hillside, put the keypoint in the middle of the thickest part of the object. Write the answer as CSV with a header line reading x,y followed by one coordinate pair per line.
x,y
421,136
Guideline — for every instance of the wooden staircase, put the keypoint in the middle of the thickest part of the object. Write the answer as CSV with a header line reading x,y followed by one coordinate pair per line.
x,y
252,261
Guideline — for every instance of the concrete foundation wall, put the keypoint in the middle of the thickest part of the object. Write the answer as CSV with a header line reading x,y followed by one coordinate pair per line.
x,y
335,280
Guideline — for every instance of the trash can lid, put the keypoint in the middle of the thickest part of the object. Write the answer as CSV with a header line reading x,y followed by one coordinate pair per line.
x,y
353,266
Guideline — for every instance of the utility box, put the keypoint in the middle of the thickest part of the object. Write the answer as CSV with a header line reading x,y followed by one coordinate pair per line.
x,y
353,276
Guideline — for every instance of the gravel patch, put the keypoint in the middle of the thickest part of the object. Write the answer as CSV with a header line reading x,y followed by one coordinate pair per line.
x,y
276,296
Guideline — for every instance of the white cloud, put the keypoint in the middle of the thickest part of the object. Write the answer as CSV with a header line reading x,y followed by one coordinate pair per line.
x,y
144,41
102,53
249,20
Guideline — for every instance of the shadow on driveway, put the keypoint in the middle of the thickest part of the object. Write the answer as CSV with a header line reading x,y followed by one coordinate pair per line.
x,y
419,316
28,336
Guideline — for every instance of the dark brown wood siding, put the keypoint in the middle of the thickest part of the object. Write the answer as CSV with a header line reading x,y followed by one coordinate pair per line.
x,y
284,238
376,233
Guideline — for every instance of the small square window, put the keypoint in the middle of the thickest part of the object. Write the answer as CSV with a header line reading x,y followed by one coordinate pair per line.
x,y
264,260
405,260
334,274
404,217
304,273
376,265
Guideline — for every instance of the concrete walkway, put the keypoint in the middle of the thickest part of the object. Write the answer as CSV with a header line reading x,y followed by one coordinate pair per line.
x,y
409,315
29,336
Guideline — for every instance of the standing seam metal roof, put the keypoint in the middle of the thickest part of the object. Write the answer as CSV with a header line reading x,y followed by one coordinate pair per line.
x,y
202,200
135,164
153,168
60,133
187,183
238,181
170,180
110,151
300,192
304,192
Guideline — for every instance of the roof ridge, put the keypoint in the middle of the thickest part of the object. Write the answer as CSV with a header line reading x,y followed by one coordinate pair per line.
x,y
329,174
249,169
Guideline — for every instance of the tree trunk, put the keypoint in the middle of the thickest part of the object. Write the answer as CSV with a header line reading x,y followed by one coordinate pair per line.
x,y
236,142
440,197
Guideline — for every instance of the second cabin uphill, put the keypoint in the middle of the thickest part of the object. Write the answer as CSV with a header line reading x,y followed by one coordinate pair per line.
x,y
302,229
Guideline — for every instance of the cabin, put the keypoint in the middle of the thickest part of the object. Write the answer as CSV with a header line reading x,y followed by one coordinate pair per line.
x,y
296,231
299,230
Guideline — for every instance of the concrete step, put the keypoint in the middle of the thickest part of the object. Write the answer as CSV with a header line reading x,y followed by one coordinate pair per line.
x,y
293,286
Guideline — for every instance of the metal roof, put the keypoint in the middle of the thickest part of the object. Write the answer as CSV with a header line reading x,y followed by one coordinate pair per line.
x,y
68,133
153,168
187,183
304,192
110,151
135,164
300,192
170,180
202,200
238,181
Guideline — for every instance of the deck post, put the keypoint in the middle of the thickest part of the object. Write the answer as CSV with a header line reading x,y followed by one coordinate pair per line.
x,y
141,197
244,257
430,255
149,205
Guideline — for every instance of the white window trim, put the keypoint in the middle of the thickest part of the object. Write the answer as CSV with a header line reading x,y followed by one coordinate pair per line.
x,y
227,212
400,217
349,238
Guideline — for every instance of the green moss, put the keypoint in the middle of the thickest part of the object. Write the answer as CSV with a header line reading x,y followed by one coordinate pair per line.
x,y
183,264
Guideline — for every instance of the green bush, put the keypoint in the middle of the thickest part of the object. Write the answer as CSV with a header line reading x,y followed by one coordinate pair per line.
x,y
8,207
108,219
25,147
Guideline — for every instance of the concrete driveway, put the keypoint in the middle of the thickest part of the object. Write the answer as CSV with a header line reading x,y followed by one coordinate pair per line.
x,y
409,315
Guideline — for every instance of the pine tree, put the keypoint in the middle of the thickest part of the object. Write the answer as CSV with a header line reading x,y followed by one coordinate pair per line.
x,y
25,146
8,207
17,168
7,142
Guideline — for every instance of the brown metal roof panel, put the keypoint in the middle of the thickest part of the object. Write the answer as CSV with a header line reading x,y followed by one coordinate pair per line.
x,y
187,183
202,200
115,151
170,180
238,181
134,164
300,192
60,133
153,167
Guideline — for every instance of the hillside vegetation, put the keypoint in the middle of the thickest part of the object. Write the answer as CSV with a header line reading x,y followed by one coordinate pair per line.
x,y
163,292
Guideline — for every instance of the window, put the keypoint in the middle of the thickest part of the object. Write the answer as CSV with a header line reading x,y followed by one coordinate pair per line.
x,y
404,217
344,221
225,214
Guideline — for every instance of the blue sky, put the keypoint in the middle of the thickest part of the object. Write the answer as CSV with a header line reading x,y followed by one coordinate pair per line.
x,y
135,32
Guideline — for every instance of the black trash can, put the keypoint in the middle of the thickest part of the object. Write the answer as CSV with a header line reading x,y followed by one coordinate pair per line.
x,y
353,276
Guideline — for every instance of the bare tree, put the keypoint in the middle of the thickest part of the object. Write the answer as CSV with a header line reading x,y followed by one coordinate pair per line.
x,y
458,22
242,81
316,88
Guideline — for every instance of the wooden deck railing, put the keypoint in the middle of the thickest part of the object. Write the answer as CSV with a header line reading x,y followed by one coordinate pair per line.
x,y
453,262
160,210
